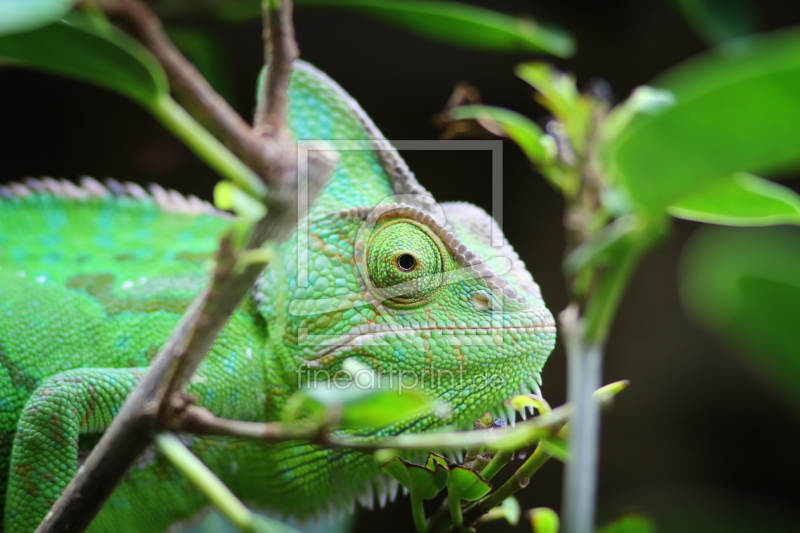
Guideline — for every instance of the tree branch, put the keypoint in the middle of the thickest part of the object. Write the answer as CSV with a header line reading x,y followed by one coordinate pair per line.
x,y
264,156
280,51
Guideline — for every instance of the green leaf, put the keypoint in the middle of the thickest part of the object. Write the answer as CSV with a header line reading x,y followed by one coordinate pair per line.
x,y
544,520
559,94
466,484
605,393
632,523
509,510
716,21
744,285
522,401
424,481
24,15
384,408
506,123
558,90
736,110
89,50
363,396
740,200
462,24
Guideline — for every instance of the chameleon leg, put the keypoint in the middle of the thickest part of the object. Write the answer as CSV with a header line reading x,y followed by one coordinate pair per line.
x,y
45,450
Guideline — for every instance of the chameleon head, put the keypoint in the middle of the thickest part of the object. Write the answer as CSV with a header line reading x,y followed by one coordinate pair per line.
x,y
420,298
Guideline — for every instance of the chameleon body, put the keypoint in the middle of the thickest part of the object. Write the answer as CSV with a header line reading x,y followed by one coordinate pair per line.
x,y
94,278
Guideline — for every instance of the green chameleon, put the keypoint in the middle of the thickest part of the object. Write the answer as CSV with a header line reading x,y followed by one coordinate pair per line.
x,y
94,278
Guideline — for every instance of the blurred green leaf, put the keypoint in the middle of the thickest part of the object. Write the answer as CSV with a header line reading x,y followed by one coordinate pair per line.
x,y
452,22
364,398
462,24
90,50
25,15
559,94
716,21
737,109
544,520
744,285
508,510
557,89
740,200
523,401
632,523
466,484
506,123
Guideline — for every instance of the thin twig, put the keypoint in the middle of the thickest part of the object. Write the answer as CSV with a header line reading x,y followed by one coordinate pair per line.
x,y
202,422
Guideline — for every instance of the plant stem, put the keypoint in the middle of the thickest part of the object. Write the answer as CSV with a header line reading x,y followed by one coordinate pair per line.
x,y
418,510
497,463
455,510
206,481
206,146
584,364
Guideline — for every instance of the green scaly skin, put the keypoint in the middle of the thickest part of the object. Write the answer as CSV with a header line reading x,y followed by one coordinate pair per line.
x,y
93,280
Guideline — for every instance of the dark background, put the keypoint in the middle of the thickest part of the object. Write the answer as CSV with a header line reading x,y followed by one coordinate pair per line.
x,y
696,435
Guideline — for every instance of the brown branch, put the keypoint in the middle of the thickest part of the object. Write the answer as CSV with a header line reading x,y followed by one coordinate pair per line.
x,y
264,155
280,51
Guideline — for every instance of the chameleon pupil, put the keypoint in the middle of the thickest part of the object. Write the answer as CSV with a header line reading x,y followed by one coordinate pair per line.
x,y
406,262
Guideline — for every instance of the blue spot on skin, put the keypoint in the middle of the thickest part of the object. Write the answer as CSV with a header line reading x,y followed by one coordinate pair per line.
x,y
229,364
55,218
18,253
143,234
123,342
52,258
51,240
104,241
211,395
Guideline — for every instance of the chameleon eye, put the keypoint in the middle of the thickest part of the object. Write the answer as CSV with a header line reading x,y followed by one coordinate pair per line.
x,y
405,262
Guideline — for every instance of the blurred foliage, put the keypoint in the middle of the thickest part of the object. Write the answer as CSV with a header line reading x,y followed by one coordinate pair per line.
x,y
632,523
707,510
740,200
19,16
452,22
544,520
736,110
716,21
744,285
90,49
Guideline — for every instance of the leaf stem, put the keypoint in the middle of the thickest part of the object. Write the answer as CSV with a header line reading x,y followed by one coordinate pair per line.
x,y
418,510
455,510
206,481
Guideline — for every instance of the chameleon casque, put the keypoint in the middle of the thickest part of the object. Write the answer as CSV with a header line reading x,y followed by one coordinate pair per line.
x,y
94,278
